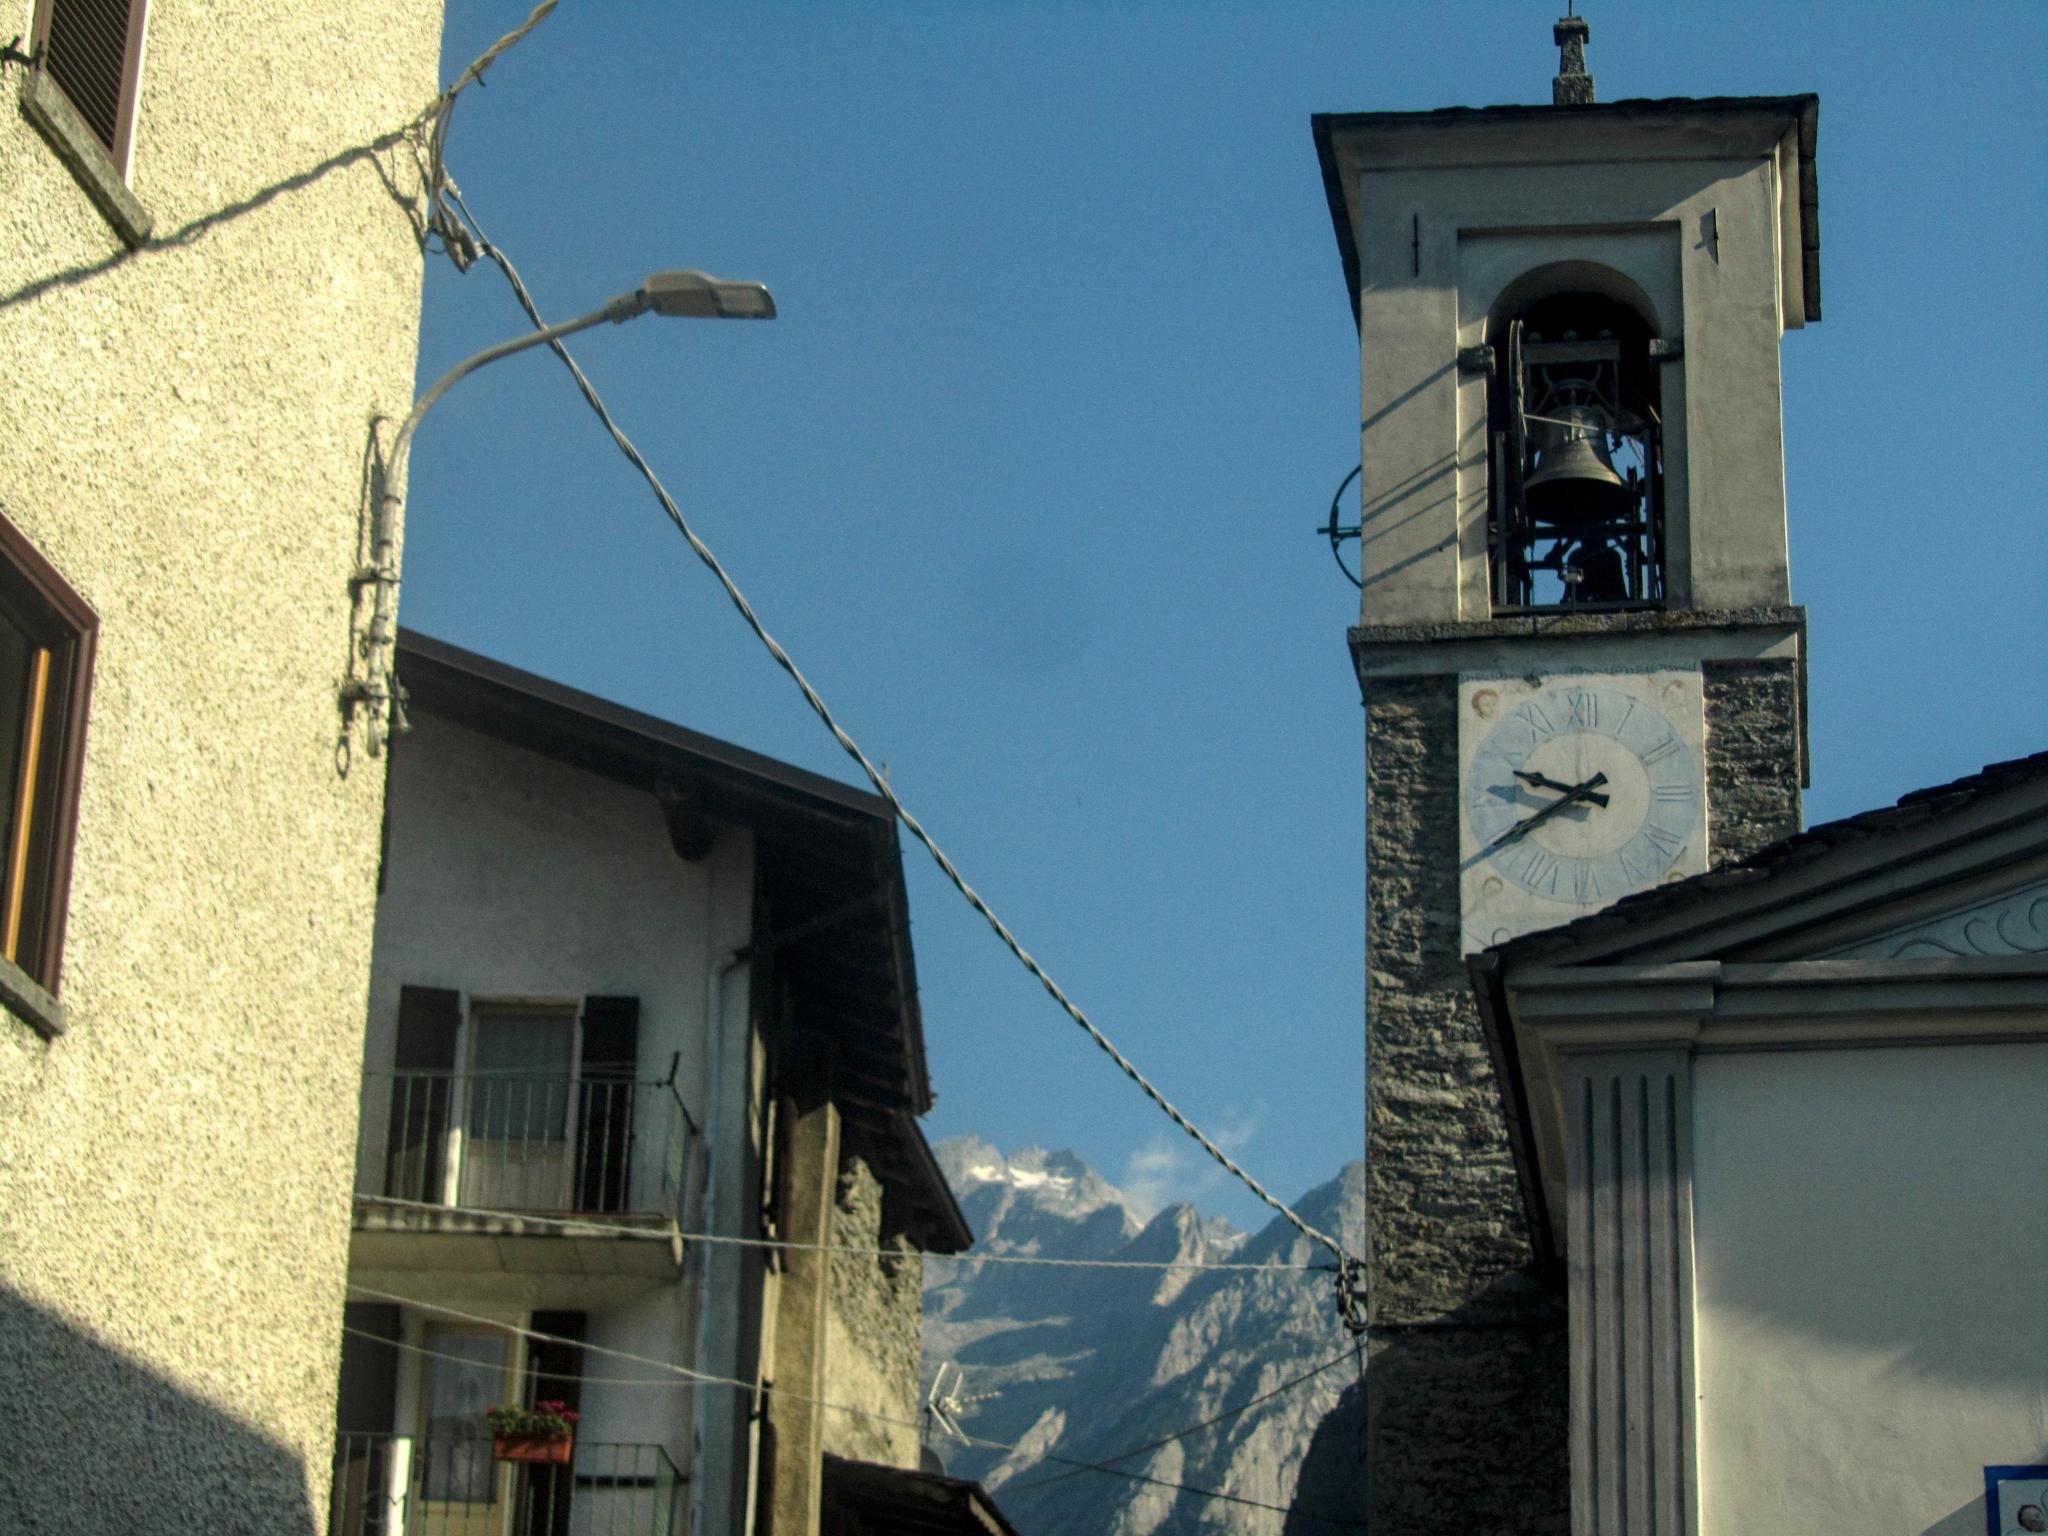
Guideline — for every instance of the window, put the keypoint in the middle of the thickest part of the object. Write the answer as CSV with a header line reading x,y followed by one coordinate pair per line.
x,y
467,1376
46,646
93,50
524,1074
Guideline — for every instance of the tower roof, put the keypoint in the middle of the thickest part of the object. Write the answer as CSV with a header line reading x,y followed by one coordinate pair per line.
x,y
1400,136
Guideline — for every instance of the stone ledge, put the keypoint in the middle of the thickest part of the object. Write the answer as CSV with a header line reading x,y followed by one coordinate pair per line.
x,y
45,105
1527,625
26,999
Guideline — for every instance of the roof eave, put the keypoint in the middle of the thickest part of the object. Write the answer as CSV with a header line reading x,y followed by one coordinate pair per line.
x,y
1803,108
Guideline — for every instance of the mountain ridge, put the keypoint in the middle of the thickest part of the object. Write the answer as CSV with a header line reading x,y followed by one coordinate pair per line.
x,y
1084,1364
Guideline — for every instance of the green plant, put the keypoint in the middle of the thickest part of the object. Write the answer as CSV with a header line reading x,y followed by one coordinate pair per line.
x,y
550,1420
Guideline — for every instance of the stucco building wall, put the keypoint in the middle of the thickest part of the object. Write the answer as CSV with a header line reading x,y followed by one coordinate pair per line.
x,y
1869,1334
187,428
514,875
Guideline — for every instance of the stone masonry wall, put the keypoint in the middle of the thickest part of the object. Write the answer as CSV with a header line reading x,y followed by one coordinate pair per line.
x,y
1752,756
1468,1366
873,1331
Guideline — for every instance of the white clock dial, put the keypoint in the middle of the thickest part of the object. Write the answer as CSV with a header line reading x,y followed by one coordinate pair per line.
x,y
1576,792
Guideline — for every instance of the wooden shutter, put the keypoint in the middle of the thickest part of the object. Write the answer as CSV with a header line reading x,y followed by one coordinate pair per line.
x,y
554,1371
93,50
368,1402
423,1067
611,1056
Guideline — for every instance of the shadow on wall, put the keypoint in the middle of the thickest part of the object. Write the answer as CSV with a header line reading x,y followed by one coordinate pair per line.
x,y
1483,1409
1332,1481
98,1443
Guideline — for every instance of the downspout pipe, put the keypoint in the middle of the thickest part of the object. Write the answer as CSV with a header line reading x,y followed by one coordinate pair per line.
x,y
717,1351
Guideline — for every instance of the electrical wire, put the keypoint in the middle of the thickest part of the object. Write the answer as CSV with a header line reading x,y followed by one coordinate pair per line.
x,y
454,238
853,749
685,1373
440,1354
584,1226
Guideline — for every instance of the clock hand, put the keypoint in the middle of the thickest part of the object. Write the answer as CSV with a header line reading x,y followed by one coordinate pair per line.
x,y
1542,782
1571,796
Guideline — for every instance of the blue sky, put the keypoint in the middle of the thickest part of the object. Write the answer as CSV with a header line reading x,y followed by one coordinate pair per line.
x,y
1026,474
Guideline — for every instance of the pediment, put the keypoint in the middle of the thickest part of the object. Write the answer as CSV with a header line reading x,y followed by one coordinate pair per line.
x,y
1955,872
2015,923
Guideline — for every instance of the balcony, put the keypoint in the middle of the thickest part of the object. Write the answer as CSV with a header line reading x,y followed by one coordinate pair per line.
x,y
415,1485
482,1173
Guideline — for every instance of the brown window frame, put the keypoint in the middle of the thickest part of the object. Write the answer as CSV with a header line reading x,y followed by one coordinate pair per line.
x,y
37,844
126,90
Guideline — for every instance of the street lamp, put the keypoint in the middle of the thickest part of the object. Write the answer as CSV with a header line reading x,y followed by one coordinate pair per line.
x,y
688,294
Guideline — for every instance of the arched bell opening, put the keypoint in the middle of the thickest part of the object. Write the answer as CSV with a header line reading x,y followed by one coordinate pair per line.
x,y
1576,428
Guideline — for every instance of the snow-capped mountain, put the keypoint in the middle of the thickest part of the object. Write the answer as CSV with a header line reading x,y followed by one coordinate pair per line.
x,y
1095,1365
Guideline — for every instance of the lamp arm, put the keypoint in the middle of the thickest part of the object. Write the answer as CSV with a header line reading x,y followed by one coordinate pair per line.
x,y
382,573
622,308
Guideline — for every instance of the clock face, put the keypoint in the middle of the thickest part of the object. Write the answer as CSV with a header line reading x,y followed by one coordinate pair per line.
x,y
1576,792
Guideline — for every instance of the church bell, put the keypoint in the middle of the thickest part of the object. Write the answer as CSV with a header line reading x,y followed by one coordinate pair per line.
x,y
1574,482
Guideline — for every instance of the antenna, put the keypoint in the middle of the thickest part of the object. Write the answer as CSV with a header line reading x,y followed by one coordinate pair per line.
x,y
943,1406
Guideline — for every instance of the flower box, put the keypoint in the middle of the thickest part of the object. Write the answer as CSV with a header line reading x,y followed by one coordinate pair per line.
x,y
544,1434
554,1450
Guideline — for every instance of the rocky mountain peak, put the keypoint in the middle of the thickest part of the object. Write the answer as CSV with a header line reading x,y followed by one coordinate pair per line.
x,y
1075,1363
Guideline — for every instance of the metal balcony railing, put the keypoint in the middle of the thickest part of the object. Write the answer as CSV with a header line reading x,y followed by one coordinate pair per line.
x,y
527,1143
418,1485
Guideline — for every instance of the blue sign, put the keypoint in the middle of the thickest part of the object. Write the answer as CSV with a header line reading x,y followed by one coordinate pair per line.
x,y
2016,1500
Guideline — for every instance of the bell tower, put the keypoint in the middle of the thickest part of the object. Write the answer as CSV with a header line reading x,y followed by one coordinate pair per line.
x,y
1582,671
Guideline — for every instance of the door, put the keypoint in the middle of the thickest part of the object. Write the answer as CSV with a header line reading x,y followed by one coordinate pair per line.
x,y
520,1120
462,1491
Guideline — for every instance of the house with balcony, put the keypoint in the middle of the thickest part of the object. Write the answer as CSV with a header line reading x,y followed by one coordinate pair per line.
x,y
632,987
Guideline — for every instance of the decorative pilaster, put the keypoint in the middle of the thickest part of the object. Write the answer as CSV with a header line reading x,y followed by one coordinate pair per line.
x,y
1629,1193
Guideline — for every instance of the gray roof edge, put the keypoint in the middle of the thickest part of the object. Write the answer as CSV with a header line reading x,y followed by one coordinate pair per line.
x,y
539,695
1489,991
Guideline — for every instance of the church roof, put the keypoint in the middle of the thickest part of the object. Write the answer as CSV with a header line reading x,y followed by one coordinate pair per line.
x,y
1869,926
1690,915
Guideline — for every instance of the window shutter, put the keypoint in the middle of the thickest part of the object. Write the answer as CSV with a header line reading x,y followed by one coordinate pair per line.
x,y
611,1055
555,1373
422,1083
428,1018
556,1370
368,1401
90,48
